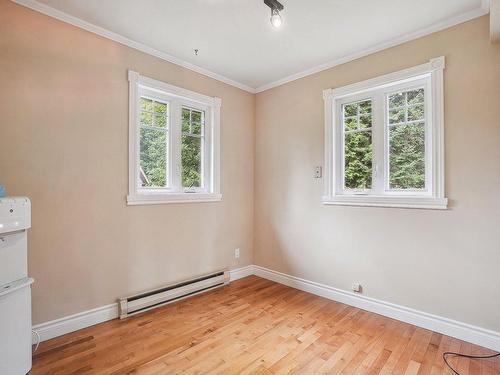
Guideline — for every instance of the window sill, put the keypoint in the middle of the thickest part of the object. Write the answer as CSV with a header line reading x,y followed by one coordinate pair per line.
x,y
429,203
144,199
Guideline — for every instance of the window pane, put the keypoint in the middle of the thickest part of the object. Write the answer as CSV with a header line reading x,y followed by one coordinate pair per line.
x,y
160,107
146,118
407,156
146,104
152,113
365,107
196,128
365,121
397,116
351,123
416,113
192,121
191,161
397,100
415,96
358,160
357,115
358,145
153,158
350,110
197,122
196,116
160,121
407,140
186,120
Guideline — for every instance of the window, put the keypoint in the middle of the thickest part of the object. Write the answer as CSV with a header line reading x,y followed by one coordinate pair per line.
x,y
384,141
357,129
406,129
173,144
193,127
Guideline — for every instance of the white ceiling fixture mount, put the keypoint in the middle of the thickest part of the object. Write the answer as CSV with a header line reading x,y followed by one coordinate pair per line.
x,y
276,8
320,34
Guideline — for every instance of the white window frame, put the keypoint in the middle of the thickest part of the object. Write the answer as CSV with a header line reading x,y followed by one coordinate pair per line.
x,y
177,98
429,76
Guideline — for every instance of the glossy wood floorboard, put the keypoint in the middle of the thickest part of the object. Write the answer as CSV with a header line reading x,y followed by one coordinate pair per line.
x,y
255,326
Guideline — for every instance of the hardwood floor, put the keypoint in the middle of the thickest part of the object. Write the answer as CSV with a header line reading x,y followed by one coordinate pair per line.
x,y
256,326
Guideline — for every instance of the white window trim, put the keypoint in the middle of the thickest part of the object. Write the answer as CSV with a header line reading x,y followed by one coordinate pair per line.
x,y
434,197
212,191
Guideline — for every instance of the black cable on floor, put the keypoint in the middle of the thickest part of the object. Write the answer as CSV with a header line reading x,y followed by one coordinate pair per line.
x,y
446,354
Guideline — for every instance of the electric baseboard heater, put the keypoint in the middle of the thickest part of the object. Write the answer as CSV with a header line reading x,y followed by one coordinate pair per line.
x,y
151,299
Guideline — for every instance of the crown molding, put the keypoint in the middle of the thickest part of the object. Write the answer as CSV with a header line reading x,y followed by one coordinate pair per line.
x,y
75,21
450,22
62,16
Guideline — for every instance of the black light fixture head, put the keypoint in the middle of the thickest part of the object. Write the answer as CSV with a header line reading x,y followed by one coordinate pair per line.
x,y
276,8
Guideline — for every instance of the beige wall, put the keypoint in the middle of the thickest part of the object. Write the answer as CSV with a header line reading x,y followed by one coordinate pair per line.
x,y
64,143
442,262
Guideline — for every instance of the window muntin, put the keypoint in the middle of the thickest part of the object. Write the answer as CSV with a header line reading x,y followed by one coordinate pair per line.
x,y
407,136
357,145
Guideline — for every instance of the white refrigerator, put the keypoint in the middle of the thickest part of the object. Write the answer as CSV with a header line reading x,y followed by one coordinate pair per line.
x,y
15,287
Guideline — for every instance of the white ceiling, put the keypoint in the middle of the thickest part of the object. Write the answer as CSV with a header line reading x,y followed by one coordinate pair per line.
x,y
237,43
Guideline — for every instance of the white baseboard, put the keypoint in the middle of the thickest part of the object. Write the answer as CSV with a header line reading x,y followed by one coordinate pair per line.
x,y
473,334
75,322
239,273
72,323
466,332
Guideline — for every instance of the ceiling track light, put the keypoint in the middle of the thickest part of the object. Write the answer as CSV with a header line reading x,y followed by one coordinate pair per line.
x,y
276,8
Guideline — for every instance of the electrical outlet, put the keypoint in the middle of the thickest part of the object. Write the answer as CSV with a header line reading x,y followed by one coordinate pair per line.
x,y
317,172
237,253
356,288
